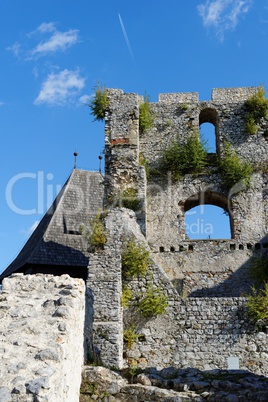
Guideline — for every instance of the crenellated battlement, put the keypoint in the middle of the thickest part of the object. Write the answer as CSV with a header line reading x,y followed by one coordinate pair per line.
x,y
180,97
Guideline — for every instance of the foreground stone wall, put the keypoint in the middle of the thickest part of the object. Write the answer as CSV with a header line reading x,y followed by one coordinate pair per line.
x,y
104,311
41,338
173,385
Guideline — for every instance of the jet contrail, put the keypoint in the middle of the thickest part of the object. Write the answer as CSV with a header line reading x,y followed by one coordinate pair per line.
x,y
126,38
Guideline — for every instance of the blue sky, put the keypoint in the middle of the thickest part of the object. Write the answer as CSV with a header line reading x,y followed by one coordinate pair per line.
x,y
52,54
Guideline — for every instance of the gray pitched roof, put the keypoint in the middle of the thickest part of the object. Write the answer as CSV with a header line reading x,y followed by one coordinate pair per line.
x,y
57,243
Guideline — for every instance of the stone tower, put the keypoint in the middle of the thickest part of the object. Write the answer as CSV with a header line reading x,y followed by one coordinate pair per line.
x,y
202,265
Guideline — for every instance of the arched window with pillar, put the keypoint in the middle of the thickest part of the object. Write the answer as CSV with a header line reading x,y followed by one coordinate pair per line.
x,y
208,215
208,124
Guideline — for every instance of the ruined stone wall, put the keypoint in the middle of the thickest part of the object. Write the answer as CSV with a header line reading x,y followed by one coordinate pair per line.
x,y
41,338
105,321
105,316
172,118
200,332
121,141
178,115
206,268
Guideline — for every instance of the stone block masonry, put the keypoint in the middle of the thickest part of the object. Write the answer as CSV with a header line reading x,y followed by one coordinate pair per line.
x,y
41,338
202,333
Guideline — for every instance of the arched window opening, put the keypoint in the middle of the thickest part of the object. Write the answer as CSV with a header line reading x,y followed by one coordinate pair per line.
x,y
208,216
207,133
208,123
207,222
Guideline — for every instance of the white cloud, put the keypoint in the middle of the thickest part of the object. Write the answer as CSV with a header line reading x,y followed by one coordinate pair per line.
x,y
47,27
223,15
84,99
15,49
50,40
59,41
61,88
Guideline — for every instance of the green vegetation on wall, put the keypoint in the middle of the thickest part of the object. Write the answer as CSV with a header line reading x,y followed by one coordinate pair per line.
x,y
130,336
99,103
258,304
180,159
126,296
146,118
153,303
256,109
95,234
258,300
233,170
258,269
127,197
135,259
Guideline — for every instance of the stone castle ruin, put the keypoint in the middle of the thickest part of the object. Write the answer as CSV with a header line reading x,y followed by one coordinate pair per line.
x,y
202,283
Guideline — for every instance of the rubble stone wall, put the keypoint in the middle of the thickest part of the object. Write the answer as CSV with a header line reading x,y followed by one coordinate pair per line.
x,y
200,332
41,338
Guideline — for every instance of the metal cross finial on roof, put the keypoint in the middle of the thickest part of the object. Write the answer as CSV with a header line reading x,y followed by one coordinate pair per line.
x,y
75,155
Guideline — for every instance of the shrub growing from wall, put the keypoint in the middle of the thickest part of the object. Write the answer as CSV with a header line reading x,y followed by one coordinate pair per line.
x,y
99,103
135,259
256,109
146,118
234,170
95,234
180,159
258,304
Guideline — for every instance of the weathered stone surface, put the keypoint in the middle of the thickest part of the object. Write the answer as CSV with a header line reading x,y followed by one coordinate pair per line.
x,y
5,395
38,361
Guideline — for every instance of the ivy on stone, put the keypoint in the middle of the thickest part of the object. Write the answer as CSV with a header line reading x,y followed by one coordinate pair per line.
x,y
258,269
